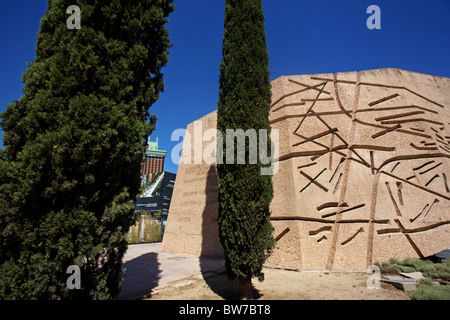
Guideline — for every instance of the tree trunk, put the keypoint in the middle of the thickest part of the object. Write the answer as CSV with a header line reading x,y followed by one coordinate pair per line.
x,y
245,289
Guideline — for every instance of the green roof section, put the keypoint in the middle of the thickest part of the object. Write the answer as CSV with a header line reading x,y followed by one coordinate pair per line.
x,y
153,149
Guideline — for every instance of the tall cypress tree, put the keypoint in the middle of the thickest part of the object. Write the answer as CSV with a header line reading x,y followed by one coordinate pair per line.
x,y
245,195
74,145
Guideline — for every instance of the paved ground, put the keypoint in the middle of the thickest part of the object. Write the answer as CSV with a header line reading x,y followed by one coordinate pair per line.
x,y
147,268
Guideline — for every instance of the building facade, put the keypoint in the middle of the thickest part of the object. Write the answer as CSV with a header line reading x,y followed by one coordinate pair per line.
x,y
158,185
157,196
153,161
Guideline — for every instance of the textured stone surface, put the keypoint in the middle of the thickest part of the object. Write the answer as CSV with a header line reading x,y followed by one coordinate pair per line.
x,y
192,222
363,174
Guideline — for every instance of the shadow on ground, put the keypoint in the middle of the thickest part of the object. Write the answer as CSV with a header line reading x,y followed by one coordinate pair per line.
x,y
225,288
211,246
142,275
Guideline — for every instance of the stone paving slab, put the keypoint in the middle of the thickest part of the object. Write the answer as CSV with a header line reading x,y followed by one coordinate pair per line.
x,y
147,268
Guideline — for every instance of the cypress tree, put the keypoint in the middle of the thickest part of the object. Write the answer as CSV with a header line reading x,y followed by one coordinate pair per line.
x,y
74,145
245,195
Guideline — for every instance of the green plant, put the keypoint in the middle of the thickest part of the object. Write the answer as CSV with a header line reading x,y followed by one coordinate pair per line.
x,y
427,267
74,144
245,195
428,290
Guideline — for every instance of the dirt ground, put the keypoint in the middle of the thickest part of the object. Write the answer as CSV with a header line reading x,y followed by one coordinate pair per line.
x,y
281,285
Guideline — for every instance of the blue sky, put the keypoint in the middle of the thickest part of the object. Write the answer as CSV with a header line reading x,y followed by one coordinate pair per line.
x,y
303,37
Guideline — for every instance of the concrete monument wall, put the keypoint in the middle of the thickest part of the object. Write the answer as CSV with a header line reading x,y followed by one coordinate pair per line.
x,y
364,169
192,221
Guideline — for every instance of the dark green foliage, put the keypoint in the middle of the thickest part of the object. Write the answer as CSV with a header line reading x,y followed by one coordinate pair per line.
x,y
244,102
426,289
427,267
74,144
429,290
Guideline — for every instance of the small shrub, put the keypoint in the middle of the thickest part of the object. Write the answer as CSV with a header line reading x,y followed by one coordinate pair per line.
x,y
427,267
428,290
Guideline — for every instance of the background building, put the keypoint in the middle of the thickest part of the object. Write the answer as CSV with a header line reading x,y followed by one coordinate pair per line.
x,y
158,184
153,161
152,206
157,196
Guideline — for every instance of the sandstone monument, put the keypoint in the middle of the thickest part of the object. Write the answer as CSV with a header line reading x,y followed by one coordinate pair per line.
x,y
364,169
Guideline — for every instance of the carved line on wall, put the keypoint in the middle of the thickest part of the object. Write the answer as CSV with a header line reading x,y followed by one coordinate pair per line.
x,y
411,120
320,99
326,148
423,165
282,234
382,133
431,180
384,99
313,180
399,192
432,168
444,148
308,87
343,221
372,163
310,108
330,158
378,85
433,207
309,153
421,134
415,185
331,205
435,202
394,167
408,237
423,148
337,183
412,157
289,105
413,106
371,147
317,136
307,165
338,99
373,204
320,230
343,243
445,182
401,115
337,169
397,209
335,233
343,211
412,230
325,113
421,212
330,150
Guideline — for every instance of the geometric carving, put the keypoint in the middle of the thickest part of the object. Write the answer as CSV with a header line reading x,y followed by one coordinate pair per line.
x,y
407,115
369,152
313,180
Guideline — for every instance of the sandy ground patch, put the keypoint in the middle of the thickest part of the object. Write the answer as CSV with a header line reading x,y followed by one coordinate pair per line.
x,y
281,285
